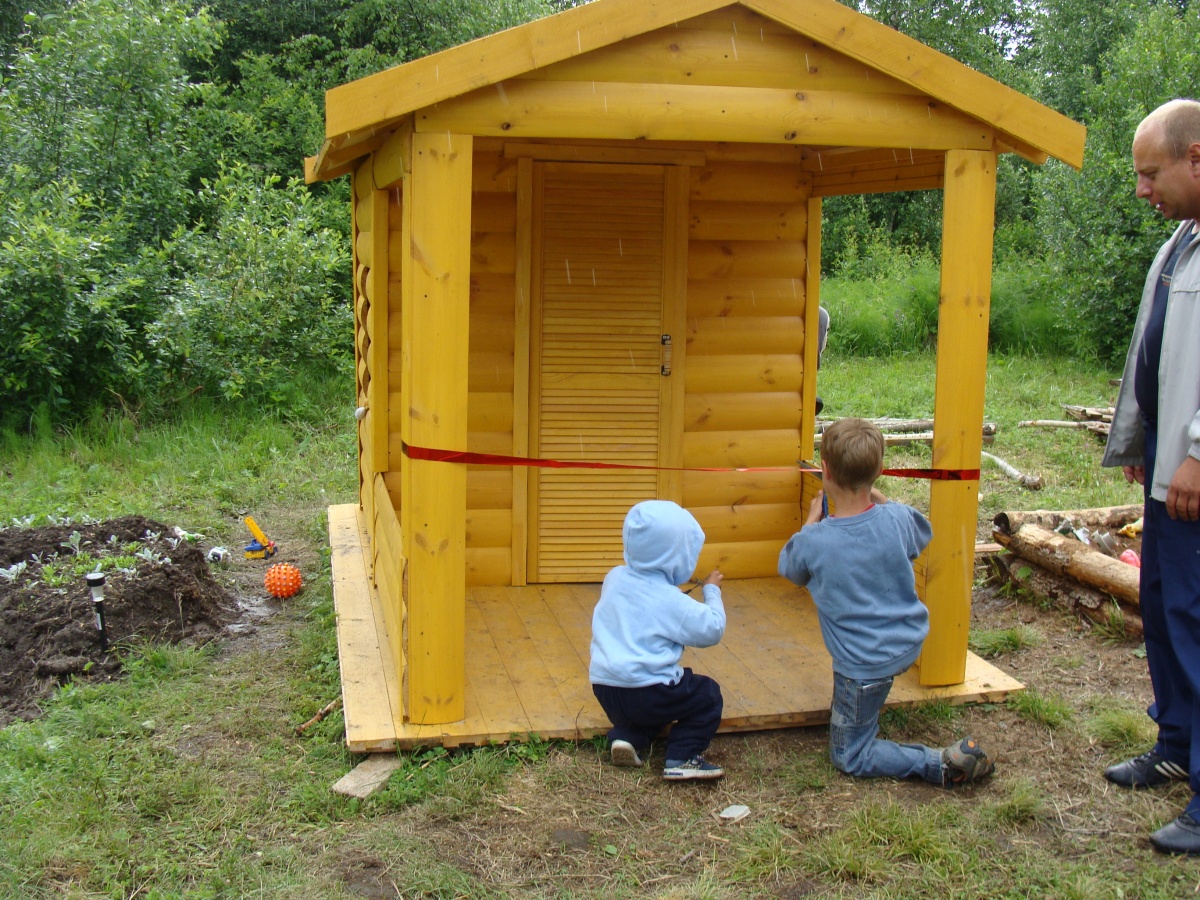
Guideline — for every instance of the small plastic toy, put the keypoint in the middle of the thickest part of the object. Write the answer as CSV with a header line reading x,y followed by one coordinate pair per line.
x,y
1130,556
283,580
262,547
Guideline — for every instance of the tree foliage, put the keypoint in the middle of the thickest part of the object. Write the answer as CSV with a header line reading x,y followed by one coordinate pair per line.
x,y
155,241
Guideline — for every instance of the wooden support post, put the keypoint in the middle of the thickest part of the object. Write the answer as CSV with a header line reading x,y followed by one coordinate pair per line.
x,y
376,430
968,217
433,511
521,326
812,312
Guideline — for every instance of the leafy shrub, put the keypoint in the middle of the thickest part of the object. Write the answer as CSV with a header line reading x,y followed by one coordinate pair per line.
x,y
262,293
63,294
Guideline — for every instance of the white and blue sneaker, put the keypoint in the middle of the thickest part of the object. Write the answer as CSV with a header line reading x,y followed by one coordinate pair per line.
x,y
691,769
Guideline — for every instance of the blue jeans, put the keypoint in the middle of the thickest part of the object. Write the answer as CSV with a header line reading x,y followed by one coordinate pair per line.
x,y
853,726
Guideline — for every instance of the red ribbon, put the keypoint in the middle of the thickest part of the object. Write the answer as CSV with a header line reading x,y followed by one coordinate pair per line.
x,y
495,459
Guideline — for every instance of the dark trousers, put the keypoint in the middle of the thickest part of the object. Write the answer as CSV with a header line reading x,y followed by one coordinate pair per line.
x,y
1170,606
639,715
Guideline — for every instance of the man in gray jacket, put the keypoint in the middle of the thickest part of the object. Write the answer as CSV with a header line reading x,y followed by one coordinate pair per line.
x,y
1155,438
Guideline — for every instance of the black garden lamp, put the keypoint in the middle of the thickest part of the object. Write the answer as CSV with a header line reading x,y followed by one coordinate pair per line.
x,y
95,581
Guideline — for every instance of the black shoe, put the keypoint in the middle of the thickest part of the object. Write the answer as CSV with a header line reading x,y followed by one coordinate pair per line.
x,y
1145,771
1181,836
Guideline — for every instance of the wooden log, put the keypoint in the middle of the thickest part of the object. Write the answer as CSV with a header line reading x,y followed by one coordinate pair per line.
x,y
745,259
1068,557
1083,413
1033,482
1067,594
1104,517
903,440
746,336
1095,427
711,374
779,447
740,412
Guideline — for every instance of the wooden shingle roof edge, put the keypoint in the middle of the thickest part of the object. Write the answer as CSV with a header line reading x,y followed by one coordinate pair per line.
x,y
361,113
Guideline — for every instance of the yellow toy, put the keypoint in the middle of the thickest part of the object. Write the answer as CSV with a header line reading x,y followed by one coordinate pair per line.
x,y
261,547
283,580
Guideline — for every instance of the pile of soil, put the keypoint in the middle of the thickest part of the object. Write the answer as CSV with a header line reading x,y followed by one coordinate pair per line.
x,y
158,590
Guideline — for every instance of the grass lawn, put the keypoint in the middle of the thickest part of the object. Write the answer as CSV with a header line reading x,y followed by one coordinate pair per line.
x,y
187,779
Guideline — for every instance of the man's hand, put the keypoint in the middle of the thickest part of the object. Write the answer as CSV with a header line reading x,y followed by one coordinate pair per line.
x,y
1183,496
1134,473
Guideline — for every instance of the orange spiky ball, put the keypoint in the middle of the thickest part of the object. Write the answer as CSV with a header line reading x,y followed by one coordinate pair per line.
x,y
283,580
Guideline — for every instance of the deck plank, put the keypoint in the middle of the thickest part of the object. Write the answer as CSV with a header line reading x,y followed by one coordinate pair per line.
x,y
527,655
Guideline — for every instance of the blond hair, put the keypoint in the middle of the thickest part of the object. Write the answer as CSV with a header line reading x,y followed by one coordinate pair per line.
x,y
852,450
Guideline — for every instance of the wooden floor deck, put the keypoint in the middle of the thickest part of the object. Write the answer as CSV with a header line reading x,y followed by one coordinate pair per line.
x,y
527,658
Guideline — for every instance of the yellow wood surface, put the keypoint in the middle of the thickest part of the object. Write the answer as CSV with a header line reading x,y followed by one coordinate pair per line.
x,y
433,511
734,258
685,112
812,312
841,50
527,653
748,183
387,558
519,550
605,280
370,681
968,218
393,159
740,412
375,425
729,335
390,94
738,488
742,50
672,387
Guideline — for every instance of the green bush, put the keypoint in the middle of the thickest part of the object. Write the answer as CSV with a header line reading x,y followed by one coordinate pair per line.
x,y
64,338
261,302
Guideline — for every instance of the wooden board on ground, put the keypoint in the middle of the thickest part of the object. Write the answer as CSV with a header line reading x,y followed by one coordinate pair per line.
x,y
526,658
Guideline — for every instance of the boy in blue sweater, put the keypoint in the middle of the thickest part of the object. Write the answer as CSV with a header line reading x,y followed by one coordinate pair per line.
x,y
640,626
857,564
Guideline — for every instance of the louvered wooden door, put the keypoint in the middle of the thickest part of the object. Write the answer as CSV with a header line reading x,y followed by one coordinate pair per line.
x,y
604,279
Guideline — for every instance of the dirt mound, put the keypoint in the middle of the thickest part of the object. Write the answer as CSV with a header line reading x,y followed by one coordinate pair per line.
x,y
158,590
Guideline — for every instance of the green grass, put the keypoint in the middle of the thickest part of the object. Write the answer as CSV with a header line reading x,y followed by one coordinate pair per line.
x,y
1121,729
186,779
1018,389
1042,709
998,641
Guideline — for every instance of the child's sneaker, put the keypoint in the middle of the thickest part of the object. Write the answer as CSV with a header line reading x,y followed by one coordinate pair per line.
x,y
965,761
689,769
624,754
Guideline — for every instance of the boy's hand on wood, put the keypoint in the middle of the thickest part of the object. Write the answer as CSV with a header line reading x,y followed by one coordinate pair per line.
x,y
714,577
815,509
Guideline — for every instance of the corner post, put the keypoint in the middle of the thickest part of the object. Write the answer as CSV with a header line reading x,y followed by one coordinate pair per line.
x,y
435,343
968,218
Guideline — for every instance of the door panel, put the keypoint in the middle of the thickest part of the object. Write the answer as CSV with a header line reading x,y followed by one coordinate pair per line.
x,y
600,283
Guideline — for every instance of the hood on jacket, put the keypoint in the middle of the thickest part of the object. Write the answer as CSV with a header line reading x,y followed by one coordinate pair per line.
x,y
662,538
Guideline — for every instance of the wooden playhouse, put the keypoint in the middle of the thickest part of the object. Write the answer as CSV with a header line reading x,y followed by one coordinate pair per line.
x,y
595,239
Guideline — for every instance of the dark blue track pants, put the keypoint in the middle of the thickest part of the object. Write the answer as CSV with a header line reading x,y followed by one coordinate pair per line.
x,y
1170,606
639,715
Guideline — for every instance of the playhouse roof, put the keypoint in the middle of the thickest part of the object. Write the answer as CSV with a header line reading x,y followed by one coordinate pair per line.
x,y
361,115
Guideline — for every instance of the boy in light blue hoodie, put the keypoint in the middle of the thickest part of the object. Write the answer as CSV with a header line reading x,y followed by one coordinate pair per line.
x,y
640,626
857,564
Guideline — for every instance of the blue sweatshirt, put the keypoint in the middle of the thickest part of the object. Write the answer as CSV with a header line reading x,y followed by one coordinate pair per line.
x,y
642,620
859,572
